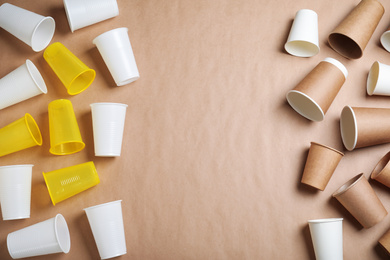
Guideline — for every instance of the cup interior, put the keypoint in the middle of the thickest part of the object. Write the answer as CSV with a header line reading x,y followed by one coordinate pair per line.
x,y
36,76
33,129
67,148
62,233
305,105
301,48
385,40
345,46
43,33
349,184
348,127
372,79
380,166
81,82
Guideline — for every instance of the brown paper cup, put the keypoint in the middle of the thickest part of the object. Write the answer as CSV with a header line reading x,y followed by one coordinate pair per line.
x,y
320,164
381,171
384,241
312,97
385,40
363,126
351,36
361,201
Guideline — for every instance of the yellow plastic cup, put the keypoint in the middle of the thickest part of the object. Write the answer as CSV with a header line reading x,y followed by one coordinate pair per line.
x,y
65,137
73,73
21,134
67,182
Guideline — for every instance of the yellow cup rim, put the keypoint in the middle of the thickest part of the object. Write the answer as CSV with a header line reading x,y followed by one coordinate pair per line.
x,y
28,119
48,188
72,152
86,85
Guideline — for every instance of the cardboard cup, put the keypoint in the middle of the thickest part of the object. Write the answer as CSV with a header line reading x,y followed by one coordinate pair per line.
x,y
385,40
47,237
22,83
384,241
327,238
351,36
361,201
378,81
381,171
320,164
303,38
363,126
31,28
312,97
82,13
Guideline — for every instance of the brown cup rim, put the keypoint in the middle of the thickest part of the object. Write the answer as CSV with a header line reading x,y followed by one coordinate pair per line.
x,y
378,169
330,148
348,185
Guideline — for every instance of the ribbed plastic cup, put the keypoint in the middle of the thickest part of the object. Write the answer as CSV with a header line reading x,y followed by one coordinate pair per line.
x,y
73,73
82,13
67,182
15,191
106,222
19,135
65,137
22,83
115,48
31,28
47,237
108,124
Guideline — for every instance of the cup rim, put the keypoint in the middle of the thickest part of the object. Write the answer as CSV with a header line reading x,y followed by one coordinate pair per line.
x,y
348,185
64,248
372,78
308,99
385,44
81,147
102,205
349,109
324,220
50,35
30,122
36,76
108,104
330,148
380,166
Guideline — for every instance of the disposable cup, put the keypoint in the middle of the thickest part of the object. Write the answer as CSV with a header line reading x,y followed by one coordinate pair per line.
x,y
358,197
384,241
381,171
327,238
303,38
320,164
378,81
47,237
22,83
312,97
15,191
108,121
73,73
67,182
82,13
351,36
363,126
115,48
106,223
65,137
19,135
33,29
385,40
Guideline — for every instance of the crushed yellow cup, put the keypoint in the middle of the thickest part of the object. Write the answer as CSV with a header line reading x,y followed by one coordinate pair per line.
x,y
67,182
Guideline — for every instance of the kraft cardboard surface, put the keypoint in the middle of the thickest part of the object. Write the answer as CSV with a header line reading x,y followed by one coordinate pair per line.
x,y
212,153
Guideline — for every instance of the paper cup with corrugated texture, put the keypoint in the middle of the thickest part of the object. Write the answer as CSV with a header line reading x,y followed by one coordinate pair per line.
x,y
381,171
378,80
358,197
351,36
313,96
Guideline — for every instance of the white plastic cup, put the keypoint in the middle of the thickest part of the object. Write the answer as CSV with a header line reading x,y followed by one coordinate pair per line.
x,y
82,13
47,237
108,120
15,191
378,80
327,238
115,48
33,29
20,84
106,222
303,38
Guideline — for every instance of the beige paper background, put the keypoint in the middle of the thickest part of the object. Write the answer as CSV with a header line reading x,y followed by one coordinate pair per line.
x,y
213,154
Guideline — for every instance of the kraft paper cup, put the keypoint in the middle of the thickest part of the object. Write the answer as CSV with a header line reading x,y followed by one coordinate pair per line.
x,y
108,121
381,171
115,48
33,29
312,97
327,238
351,36
106,223
19,135
67,182
320,164
363,126
47,237
82,13
385,40
15,191
361,201
65,137
378,81
303,38
22,83
73,73
384,241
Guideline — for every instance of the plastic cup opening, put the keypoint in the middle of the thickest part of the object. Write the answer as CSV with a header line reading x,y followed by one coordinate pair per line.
x,y
325,220
33,129
36,76
348,127
372,79
305,106
302,48
345,46
81,82
385,40
128,81
62,233
43,33
380,166
348,185
67,148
